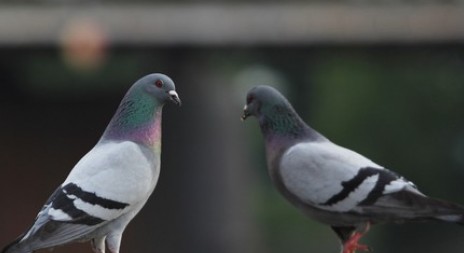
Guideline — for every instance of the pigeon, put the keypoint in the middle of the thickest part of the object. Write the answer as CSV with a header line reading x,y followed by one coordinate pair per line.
x,y
112,182
332,184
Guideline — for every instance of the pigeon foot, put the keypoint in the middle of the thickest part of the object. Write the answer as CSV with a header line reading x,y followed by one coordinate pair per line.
x,y
352,245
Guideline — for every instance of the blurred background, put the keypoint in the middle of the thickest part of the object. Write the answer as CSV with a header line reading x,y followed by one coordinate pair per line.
x,y
384,78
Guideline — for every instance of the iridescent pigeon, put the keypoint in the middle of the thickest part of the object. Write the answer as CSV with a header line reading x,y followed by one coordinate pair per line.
x,y
112,182
332,184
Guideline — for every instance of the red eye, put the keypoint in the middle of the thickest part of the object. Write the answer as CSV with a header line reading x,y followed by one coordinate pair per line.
x,y
159,83
250,99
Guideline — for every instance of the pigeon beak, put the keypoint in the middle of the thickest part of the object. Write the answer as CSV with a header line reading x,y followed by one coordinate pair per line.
x,y
174,97
245,114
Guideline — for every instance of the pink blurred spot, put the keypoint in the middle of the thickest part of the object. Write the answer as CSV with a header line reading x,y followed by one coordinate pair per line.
x,y
84,44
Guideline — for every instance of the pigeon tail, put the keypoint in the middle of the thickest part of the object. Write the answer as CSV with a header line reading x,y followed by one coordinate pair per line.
x,y
453,218
447,211
15,247
444,211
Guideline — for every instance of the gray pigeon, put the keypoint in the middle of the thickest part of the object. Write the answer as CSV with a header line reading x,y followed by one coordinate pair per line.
x,y
332,184
112,182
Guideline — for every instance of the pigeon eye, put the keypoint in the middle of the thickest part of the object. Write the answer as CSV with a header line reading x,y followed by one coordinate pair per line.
x,y
159,83
250,99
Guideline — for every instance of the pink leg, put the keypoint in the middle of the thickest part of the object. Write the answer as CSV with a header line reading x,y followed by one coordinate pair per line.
x,y
351,245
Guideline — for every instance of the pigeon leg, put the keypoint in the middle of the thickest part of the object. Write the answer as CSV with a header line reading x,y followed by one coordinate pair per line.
x,y
98,244
113,241
351,245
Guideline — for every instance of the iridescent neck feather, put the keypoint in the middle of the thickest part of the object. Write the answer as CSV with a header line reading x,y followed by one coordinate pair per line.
x,y
138,119
282,127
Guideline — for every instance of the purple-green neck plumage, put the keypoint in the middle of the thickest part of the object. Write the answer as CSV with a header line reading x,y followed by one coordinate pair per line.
x,y
282,127
138,119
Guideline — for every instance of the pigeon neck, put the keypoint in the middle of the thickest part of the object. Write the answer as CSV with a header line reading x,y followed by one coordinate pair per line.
x,y
284,124
137,119
284,128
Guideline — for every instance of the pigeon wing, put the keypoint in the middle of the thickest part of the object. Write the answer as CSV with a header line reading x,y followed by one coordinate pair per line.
x,y
330,177
91,197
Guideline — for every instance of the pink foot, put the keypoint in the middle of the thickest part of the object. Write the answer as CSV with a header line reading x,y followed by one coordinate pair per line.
x,y
351,245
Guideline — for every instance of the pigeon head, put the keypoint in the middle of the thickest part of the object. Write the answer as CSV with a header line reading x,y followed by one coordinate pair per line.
x,y
262,101
138,117
160,86
275,115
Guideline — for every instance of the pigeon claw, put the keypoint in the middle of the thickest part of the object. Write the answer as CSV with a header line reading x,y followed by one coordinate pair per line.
x,y
352,245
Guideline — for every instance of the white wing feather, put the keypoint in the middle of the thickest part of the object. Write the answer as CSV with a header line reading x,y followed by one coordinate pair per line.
x,y
122,172
117,171
314,172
